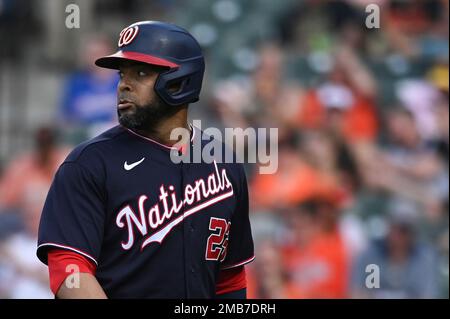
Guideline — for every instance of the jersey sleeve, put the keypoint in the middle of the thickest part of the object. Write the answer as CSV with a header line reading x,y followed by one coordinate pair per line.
x,y
74,213
240,250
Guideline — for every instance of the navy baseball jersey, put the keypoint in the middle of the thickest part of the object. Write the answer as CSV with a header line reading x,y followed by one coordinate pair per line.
x,y
154,228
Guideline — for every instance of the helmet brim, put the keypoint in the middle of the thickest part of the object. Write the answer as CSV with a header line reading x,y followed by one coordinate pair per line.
x,y
113,61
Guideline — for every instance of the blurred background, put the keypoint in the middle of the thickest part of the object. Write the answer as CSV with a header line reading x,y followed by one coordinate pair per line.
x,y
363,131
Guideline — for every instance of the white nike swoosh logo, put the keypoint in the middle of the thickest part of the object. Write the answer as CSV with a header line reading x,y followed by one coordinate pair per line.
x,y
128,167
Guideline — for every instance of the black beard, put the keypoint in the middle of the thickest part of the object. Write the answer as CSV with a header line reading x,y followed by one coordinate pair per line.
x,y
146,117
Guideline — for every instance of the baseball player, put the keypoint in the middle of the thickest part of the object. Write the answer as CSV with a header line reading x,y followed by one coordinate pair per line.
x,y
124,217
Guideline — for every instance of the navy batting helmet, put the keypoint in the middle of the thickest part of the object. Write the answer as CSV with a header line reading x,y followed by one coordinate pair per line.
x,y
166,45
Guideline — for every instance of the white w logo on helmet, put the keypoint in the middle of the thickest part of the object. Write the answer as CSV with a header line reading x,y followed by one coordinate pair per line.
x,y
127,35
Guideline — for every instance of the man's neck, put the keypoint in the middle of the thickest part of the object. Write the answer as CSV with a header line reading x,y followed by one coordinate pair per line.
x,y
161,132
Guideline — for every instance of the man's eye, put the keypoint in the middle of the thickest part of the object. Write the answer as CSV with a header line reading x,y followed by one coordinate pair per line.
x,y
142,73
120,74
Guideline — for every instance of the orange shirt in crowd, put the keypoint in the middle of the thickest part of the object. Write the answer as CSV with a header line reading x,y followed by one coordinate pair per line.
x,y
25,183
360,120
318,270
293,184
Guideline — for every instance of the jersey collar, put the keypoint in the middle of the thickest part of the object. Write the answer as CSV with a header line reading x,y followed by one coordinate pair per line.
x,y
181,149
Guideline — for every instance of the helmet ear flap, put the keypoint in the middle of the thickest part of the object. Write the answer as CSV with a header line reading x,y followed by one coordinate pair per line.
x,y
189,75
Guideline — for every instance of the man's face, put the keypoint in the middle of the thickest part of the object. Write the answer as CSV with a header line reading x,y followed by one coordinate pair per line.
x,y
138,106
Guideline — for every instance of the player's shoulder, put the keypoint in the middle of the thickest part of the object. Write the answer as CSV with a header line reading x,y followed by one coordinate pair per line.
x,y
226,157
96,148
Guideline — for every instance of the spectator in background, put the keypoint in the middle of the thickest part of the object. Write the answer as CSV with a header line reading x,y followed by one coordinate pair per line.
x,y
312,169
417,29
89,96
21,274
407,267
309,259
438,75
315,259
27,179
422,98
344,103
442,137
266,277
23,189
407,166
263,99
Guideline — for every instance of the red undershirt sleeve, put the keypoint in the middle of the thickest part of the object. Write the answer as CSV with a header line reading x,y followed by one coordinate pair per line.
x,y
62,263
231,280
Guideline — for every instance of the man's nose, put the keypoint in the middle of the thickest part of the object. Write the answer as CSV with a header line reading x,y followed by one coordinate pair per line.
x,y
124,85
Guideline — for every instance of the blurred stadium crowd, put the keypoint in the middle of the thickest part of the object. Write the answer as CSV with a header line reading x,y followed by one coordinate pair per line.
x,y
363,132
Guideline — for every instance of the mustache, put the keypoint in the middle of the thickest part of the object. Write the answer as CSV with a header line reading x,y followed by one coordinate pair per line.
x,y
124,98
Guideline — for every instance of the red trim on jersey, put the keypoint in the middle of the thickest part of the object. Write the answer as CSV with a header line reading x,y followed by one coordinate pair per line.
x,y
182,148
69,248
58,262
231,280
